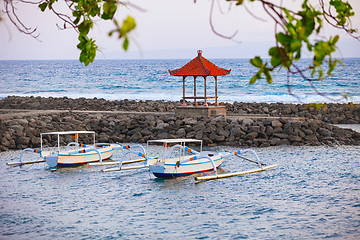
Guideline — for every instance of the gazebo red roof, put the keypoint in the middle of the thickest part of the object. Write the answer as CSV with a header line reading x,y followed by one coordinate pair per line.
x,y
199,66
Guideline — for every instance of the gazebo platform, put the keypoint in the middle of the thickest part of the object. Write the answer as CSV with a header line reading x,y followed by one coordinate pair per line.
x,y
200,111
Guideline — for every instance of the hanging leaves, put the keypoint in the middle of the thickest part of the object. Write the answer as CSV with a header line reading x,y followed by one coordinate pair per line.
x,y
84,13
298,31
123,30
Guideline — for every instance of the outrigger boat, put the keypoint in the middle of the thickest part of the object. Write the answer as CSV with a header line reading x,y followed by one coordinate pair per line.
x,y
74,153
188,161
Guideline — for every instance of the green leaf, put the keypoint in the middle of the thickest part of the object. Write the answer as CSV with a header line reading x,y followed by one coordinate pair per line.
x,y
295,45
344,11
253,79
85,27
43,6
109,10
321,74
335,40
128,25
77,20
126,44
313,71
268,76
88,49
283,39
256,62
309,46
276,56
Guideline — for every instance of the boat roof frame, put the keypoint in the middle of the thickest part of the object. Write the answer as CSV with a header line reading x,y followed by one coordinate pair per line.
x,y
65,133
181,141
175,140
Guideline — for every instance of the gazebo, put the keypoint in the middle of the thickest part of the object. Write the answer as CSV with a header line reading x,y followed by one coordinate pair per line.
x,y
201,67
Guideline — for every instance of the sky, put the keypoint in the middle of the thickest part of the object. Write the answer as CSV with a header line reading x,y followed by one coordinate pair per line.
x,y
165,29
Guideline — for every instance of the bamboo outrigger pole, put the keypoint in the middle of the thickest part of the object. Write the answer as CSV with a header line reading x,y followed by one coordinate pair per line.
x,y
116,163
124,168
23,163
226,175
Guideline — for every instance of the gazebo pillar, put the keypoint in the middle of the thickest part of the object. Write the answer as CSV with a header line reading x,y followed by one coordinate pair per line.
x,y
205,95
216,92
195,103
184,102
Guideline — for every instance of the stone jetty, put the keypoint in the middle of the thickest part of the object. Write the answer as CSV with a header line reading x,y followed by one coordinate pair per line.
x,y
22,119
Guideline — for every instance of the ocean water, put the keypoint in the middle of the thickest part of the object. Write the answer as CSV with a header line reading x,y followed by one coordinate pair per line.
x,y
313,194
150,80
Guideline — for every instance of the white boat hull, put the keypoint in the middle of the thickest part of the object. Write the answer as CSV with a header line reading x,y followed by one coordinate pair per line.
x,y
170,169
63,158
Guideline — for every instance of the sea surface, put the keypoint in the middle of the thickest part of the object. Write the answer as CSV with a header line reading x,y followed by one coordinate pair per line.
x,y
150,80
313,194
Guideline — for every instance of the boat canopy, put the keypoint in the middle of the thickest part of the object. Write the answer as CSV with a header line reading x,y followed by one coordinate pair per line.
x,y
176,140
67,132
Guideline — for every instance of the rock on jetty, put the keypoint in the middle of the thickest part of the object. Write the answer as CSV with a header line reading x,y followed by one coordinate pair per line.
x,y
330,113
95,104
19,132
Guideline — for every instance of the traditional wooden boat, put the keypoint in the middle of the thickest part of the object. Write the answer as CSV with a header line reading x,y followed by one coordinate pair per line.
x,y
74,153
180,160
172,163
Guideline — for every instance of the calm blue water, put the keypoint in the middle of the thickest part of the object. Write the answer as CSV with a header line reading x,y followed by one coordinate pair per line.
x,y
313,194
150,80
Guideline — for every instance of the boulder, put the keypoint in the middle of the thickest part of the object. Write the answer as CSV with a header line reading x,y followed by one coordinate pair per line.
x,y
324,132
247,122
19,129
190,134
223,132
216,138
180,133
251,136
150,118
276,124
146,132
293,138
162,135
281,135
162,125
283,142
24,141
274,141
5,142
199,135
189,121
136,137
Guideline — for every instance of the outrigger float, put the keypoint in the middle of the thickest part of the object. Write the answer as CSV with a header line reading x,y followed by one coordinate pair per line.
x,y
187,161
74,153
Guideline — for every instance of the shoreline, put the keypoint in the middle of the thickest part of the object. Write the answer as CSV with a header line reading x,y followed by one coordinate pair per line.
x,y
24,118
